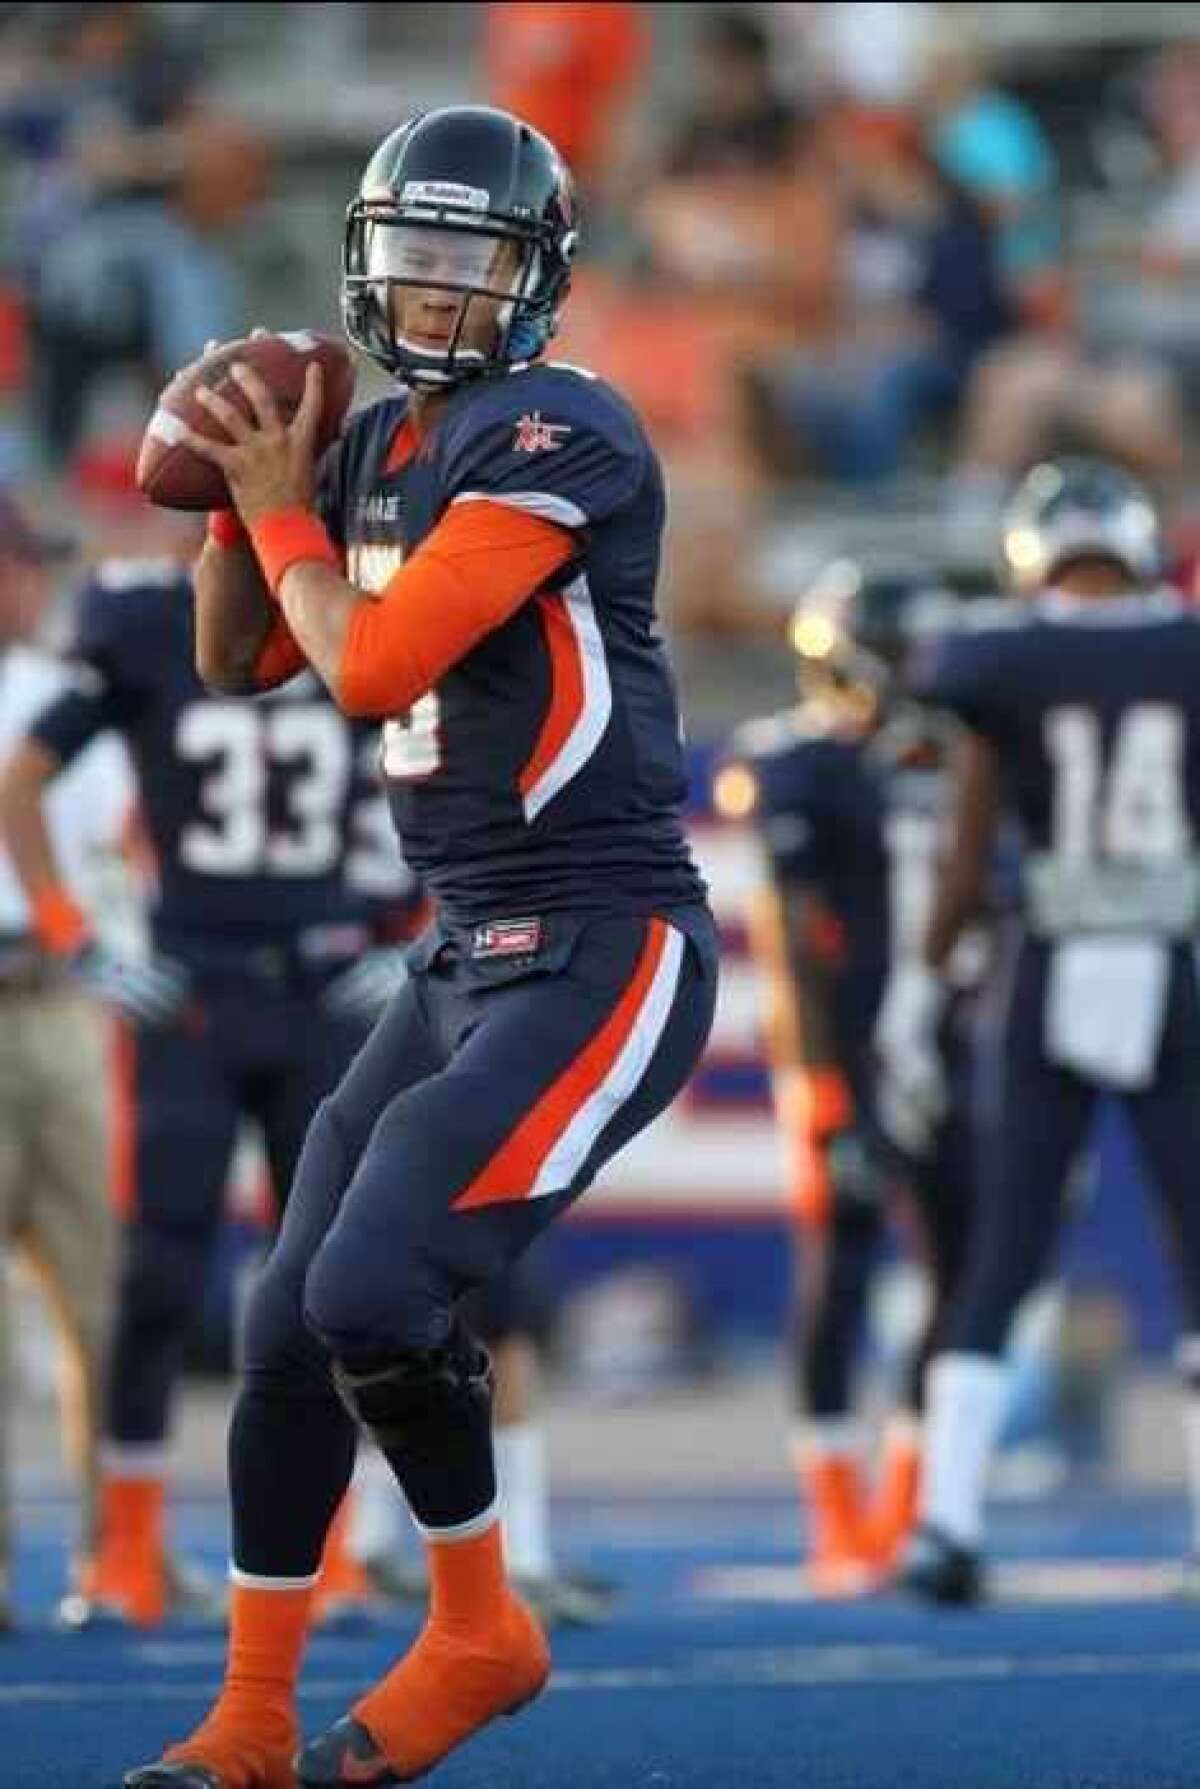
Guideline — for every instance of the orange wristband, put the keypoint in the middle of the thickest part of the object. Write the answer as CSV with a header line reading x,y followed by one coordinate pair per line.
x,y
226,529
57,921
284,537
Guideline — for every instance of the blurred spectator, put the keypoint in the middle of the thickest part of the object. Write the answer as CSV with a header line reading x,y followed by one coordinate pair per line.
x,y
132,268
922,300
1047,392
738,227
54,1089
993,147
869,52
740,209
1163,312
738,121
571,71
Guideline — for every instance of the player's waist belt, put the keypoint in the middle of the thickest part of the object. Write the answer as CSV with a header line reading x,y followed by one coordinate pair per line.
x,y
1068,896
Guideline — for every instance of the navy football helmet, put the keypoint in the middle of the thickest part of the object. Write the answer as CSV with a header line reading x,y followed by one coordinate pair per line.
x,y
470,202
1072,509
854,629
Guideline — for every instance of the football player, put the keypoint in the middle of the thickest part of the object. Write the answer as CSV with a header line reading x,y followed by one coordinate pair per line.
x,y
276,886
476,564
1081,715
846,791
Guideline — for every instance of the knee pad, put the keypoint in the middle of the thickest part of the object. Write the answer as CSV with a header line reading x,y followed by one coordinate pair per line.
x,y
418,1389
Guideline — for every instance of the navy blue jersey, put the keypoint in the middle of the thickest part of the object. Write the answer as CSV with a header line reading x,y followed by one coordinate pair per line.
x,y
264,816
545,769
859,824
821,809
1093,711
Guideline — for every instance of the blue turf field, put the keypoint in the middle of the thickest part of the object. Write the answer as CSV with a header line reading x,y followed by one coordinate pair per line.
x,y
715,1672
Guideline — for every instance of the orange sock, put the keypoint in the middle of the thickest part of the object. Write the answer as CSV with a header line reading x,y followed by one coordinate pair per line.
x,y
831,1484
342,1578
129,1569
250,1734
479,1655
894,1510
833,1488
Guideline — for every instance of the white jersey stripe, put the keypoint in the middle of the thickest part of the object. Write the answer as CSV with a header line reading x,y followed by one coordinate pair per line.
x,y
572,1148
594,714
533,503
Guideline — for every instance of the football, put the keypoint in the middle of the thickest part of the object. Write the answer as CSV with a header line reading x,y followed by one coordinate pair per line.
x,y
173,475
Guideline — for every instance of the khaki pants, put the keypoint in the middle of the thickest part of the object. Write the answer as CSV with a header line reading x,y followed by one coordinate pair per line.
x,y
54,1206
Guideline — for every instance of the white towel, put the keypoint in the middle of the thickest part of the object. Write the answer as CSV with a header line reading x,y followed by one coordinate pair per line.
x,y
1105,1003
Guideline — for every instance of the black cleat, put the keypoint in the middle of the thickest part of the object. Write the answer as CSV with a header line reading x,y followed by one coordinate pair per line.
x,y
172,1776
939,1570
573,1599
342,1757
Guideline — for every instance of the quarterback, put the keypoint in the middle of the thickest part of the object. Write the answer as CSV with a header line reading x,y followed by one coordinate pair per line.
x,y
474,564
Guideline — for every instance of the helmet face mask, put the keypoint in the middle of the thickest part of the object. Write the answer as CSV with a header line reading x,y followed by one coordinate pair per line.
x,y
1067,511
445,278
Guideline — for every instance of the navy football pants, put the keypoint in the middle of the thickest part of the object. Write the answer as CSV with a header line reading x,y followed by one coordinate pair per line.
x,y
487,1098
244,1048
1035,1130
834,1262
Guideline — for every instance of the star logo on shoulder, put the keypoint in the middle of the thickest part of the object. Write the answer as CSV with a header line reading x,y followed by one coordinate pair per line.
x,y
535,436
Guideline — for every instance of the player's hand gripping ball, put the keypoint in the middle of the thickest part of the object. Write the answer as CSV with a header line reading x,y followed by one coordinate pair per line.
x,y
172,474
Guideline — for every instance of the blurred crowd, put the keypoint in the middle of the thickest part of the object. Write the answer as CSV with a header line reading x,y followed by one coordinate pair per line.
x,y
827,245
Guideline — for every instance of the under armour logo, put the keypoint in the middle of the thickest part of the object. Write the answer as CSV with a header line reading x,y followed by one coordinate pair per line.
x,y
535,436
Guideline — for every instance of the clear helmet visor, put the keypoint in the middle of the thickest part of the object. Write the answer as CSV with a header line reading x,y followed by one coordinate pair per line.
x,y
423,255
444,292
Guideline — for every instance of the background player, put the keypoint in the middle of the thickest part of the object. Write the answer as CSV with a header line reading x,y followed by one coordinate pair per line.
x,y
54,1084
846,792
273,870
485,578
1080,710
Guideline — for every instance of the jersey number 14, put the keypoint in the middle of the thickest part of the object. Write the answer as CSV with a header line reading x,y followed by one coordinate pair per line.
x,y
1132,807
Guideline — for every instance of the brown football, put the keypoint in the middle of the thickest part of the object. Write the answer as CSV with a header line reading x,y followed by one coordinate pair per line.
x,y
172,474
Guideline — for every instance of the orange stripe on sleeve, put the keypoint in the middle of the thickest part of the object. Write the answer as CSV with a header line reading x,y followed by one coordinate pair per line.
x,y
470,574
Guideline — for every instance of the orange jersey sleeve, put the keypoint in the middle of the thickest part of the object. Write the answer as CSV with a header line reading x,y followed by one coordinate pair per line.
x,y
470,573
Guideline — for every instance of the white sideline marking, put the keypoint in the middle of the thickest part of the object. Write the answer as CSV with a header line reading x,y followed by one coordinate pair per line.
x,y
1053,1581
809,1667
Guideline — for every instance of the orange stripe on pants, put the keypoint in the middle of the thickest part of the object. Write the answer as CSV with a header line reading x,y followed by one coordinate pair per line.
x,y
511,1172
